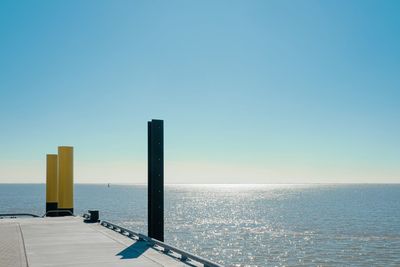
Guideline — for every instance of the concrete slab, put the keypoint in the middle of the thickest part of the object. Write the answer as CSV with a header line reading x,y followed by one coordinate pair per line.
x,y
12,250
67,241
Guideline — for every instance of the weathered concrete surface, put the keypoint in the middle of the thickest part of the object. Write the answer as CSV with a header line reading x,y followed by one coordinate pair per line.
x,y
12,250
67,241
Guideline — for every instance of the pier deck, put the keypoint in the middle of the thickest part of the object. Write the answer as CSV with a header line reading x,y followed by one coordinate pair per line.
x,y
68,241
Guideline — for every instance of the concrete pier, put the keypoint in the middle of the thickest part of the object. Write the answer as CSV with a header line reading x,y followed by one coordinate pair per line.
x,y
68,241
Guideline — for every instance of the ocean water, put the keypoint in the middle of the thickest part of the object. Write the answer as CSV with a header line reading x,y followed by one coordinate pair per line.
x,y
251,225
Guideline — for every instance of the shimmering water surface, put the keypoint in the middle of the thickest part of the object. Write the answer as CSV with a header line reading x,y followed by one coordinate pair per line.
x,y
252,225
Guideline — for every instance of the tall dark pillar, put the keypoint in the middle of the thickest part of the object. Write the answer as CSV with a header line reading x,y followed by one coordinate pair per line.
x,y
155,203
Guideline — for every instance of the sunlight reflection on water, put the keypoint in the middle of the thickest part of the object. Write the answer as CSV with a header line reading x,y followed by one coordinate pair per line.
x,y
252,225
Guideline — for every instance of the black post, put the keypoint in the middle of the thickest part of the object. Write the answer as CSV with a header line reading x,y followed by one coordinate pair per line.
x,y
155,205
51,206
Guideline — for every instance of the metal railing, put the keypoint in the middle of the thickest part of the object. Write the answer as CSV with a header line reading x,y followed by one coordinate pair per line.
x,y
15,215
184,255
57,212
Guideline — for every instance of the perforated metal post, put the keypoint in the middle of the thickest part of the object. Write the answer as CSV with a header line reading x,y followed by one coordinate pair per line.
x,y
156,179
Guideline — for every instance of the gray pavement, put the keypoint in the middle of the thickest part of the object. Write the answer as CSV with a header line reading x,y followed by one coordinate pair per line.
x,y
67,241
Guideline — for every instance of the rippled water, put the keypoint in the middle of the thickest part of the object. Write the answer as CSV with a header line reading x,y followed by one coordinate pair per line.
x,y
252,225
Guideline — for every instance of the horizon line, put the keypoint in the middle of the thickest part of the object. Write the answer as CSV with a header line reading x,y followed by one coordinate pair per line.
x,y
311,183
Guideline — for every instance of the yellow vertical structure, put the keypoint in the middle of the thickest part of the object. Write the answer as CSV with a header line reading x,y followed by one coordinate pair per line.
x,y
51,183
65,179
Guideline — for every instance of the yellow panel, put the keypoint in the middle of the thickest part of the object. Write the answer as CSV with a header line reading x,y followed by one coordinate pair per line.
x,y
51,179
65,177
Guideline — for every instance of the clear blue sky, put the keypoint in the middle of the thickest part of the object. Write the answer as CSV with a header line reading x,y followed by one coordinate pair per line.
x,y
250,91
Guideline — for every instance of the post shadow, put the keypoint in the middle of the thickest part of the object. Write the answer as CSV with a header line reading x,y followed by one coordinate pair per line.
x,y
134,251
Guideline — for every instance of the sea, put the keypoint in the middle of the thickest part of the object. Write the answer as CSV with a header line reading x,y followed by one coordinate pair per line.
x,y
251,225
